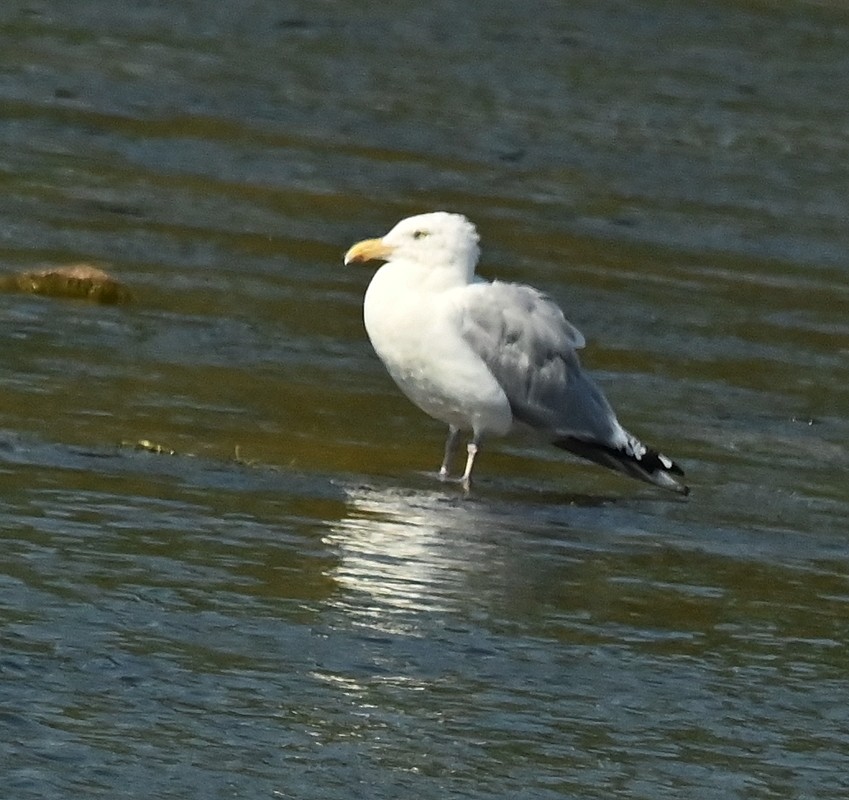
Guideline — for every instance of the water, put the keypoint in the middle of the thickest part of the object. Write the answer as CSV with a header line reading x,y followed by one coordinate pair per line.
x,y
290,605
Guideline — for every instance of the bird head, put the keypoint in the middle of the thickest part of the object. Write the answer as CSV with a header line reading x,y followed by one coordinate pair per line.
x,y
438,240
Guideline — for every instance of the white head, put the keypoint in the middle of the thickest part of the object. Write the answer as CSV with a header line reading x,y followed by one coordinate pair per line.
x,y
437,240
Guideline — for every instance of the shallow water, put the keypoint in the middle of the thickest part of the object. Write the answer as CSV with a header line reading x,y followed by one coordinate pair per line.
x,y
290,605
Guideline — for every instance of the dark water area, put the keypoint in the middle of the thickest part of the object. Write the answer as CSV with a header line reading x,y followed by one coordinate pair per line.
x,y
227,567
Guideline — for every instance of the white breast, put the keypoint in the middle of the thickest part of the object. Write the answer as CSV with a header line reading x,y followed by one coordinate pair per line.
x,y
415,333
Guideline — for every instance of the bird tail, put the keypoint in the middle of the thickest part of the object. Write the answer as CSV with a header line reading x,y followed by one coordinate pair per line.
x,y
632,458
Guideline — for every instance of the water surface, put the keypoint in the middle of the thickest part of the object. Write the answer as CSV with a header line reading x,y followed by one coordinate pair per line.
x,y
290,605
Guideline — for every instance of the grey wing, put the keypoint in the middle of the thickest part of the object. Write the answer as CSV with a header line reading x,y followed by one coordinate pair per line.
x,y
529,346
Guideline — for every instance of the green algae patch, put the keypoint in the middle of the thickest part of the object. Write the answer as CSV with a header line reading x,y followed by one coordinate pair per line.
x,y
76,281
148,446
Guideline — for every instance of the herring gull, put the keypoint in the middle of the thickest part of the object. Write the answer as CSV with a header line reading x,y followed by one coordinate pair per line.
x,y
488,357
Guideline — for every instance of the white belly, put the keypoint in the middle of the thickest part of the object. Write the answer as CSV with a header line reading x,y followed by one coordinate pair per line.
x,y
423,351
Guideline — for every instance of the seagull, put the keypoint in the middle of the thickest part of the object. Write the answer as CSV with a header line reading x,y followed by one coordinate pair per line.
x,y
488,357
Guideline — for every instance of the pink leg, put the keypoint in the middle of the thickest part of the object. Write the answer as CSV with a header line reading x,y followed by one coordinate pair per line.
x,y
472,449
450,450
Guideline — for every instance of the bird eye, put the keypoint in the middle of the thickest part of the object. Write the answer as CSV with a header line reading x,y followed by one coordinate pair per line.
x,y
419,234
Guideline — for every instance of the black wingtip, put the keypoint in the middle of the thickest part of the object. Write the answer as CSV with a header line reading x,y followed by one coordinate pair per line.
x,y
638,462
657,462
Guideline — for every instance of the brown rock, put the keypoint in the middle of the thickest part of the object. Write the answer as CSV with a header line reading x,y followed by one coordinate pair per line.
x,y
81,281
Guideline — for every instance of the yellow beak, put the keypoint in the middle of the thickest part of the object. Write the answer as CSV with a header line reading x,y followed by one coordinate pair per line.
x,y
368,250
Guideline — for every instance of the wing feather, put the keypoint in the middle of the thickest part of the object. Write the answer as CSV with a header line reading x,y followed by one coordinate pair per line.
x,y
530,348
